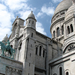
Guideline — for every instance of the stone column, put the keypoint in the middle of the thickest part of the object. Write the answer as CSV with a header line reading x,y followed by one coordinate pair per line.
x,y
61,31
65,31
42,52
38,51
74,25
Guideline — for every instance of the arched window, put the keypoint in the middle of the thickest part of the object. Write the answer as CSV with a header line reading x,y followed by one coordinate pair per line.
x,y
36,50
32,22
60,71
43,53
67,73
19,54
20,46
71,26
29,21
62,28
31,34
62,13
53,34
40,49
68,29
58,32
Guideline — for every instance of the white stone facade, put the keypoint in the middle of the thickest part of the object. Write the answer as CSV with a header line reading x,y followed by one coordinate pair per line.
x,y
37,54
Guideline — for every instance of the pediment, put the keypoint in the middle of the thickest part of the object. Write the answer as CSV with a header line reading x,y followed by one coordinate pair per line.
x,y
69,48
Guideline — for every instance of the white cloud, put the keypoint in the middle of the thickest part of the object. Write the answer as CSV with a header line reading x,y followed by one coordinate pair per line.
x,y
48,10
5,21
15,4
40,28
24,14
7,14
39,14
55,1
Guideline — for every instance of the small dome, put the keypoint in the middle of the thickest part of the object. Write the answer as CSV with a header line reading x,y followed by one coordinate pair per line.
x,y
5,38
70,12
64,5
31,15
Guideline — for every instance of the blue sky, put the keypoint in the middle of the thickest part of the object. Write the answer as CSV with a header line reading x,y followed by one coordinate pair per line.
x,y
42,9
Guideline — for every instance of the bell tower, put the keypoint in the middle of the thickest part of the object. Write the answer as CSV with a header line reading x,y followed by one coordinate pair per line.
x,y
31,21
16,26
29,41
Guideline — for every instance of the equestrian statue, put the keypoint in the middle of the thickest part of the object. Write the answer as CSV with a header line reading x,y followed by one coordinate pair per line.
x,y
7,48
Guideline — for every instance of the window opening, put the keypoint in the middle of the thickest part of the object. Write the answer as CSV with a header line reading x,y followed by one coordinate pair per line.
x,y
20,46
67,73
68,29
53,34
29,21
40,51
32,22
36,50
62,30
32,35
58,32
71,26
60,71
62,13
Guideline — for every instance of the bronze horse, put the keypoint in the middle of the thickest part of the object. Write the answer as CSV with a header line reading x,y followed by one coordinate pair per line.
x,y
7,48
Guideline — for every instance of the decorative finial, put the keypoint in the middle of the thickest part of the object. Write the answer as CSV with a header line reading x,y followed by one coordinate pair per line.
x,y
17,17
31,11
73,1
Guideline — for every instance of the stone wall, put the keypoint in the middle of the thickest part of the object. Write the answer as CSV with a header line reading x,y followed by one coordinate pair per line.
x,y
10,67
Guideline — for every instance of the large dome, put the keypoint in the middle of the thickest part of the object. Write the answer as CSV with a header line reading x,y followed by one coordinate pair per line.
x,y
70,12
64,5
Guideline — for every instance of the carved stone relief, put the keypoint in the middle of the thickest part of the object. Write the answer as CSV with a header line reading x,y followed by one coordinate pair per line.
x,y
13,71
69,48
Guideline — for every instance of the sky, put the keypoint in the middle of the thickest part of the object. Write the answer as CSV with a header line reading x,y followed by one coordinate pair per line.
x,y
42,9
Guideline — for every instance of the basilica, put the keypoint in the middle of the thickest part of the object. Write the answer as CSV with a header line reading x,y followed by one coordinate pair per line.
x,y
37,54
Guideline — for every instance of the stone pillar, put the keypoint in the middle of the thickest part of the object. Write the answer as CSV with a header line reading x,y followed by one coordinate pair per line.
x,y
65,31
74,25
38,50
61,31
17,54
56,33
42,52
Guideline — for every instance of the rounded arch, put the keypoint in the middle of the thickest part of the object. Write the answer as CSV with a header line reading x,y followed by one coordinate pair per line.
x,y
67,44
60,69
58,31
19,44
36,49
67,72
71,44
40,46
